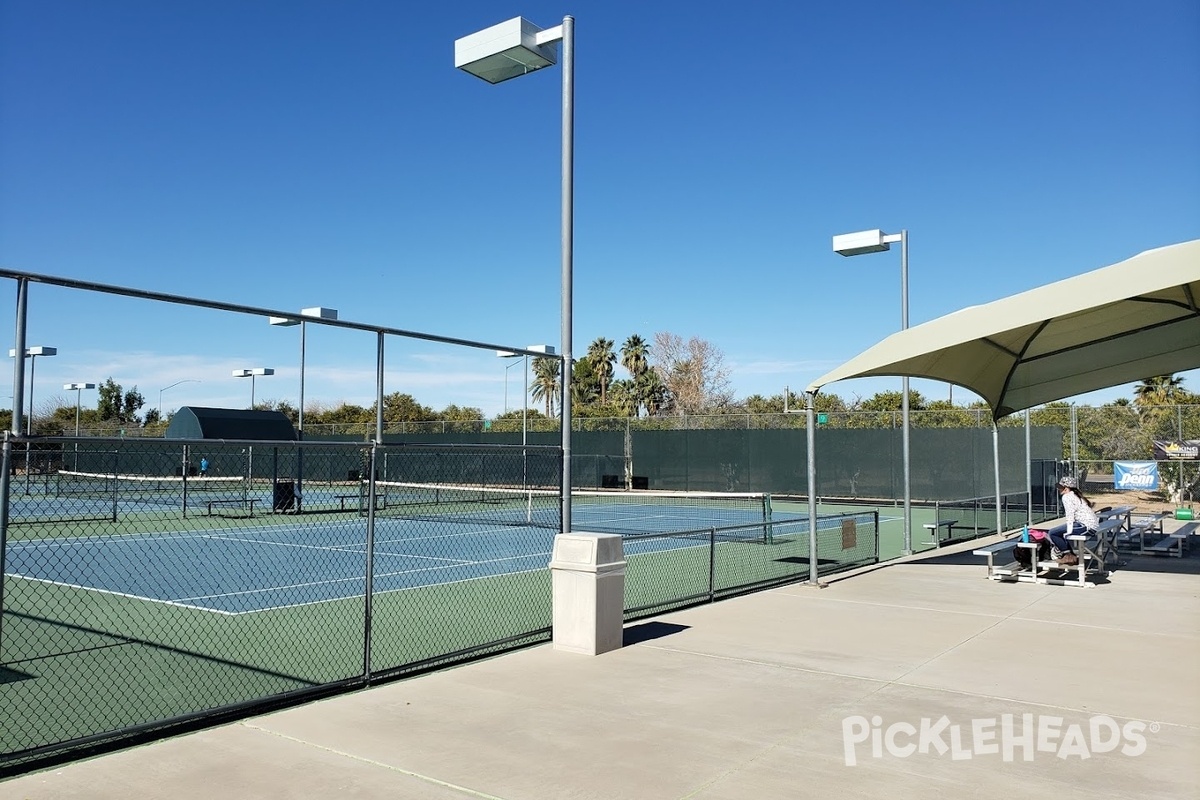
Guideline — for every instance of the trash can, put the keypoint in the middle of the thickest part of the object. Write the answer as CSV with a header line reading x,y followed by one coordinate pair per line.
x,y
285,496
587,575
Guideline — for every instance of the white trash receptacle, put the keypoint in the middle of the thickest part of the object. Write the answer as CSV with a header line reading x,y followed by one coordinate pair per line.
x,y
588,577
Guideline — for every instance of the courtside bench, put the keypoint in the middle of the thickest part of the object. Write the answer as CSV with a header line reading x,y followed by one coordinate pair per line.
x,y
238,504
1173,543
935,528
1002,564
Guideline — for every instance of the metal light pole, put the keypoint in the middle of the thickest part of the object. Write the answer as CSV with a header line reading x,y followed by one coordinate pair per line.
x,y
317,312
509,50
172,386
78,388
32,353
876,241
252,374
506,354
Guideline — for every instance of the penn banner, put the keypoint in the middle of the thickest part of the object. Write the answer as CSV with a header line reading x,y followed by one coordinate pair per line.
x,y
1177,450
1129,476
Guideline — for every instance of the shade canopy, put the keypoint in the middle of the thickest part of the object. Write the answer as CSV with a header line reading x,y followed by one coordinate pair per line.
x,y
1127,322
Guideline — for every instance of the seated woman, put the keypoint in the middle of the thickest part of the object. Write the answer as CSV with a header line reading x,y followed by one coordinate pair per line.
x,y
1080,519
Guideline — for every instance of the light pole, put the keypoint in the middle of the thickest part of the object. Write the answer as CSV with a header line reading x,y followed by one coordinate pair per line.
x,y
32,354
876,241
510,50
544,349
315,312
252,374
172,386
77,387
506,354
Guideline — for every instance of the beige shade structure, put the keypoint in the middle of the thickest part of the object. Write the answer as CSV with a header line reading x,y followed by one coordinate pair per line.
x,y
1133,320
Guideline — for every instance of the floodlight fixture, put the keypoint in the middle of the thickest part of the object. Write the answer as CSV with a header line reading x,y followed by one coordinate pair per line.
x,y
507,50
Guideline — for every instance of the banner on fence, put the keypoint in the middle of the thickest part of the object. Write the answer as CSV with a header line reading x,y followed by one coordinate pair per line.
x,y
1131,475
1185,449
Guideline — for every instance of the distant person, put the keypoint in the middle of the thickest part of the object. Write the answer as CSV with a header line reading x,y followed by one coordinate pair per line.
x,y
204,468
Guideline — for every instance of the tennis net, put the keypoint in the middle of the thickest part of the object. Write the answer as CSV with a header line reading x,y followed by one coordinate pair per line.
x,y
176,491
599,511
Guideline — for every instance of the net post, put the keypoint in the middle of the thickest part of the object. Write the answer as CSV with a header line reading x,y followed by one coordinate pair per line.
x,y
768,528
116,485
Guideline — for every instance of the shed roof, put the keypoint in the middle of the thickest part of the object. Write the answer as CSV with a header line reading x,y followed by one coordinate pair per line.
x,y
195,422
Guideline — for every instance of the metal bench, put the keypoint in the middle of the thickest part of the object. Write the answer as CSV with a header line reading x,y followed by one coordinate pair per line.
x,y
934,529
1173,543
1006,547
243,504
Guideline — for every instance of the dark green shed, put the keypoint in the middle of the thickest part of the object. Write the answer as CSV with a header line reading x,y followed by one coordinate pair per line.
x,y
193,422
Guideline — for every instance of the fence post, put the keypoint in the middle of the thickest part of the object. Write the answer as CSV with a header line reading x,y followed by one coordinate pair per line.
x,y
369,582
6,465
712,564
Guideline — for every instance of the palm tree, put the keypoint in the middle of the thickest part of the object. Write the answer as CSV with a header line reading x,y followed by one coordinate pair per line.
x,y
600,353
651,392
635,356
545,382
1161,390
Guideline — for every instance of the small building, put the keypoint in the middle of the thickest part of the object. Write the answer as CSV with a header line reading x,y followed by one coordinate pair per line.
x,y
194,422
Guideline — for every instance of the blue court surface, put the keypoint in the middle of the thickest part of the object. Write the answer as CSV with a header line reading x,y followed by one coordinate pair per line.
x,y
238,570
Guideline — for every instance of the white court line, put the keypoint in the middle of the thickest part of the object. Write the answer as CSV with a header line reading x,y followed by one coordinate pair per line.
x,y
360,579
176,603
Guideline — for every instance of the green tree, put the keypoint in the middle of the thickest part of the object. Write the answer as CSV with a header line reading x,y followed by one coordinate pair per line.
x,y
115,405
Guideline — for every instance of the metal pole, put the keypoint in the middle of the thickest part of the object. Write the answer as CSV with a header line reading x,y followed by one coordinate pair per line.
x,y
300,411
811,419
568,212
29,416
369,565
300,429
1028,474
379,392
252,391
996,467
19,355
904,400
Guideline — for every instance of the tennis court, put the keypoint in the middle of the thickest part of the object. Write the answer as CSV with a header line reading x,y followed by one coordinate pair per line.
x,y
446,535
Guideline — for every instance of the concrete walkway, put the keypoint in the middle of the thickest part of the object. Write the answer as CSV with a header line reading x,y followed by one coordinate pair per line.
x,y
765,696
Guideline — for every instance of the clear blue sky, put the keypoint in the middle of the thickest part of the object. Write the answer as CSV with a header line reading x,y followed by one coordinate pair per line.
x,y
289,154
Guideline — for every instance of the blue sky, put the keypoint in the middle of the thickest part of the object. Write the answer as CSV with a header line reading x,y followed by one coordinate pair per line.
x,y
291,154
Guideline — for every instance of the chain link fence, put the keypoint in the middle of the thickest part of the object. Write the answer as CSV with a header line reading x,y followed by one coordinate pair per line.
x,y
144,594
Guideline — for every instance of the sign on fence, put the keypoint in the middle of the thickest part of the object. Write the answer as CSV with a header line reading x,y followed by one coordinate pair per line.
x,y
1131,475
1188,450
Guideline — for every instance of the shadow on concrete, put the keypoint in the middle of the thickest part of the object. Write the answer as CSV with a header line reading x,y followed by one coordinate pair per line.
x,y
648,631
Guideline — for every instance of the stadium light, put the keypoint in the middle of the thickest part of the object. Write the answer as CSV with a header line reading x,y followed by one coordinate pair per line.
x,y
316,312
32,354
252,374
545,349
77,388
509,50
876,241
